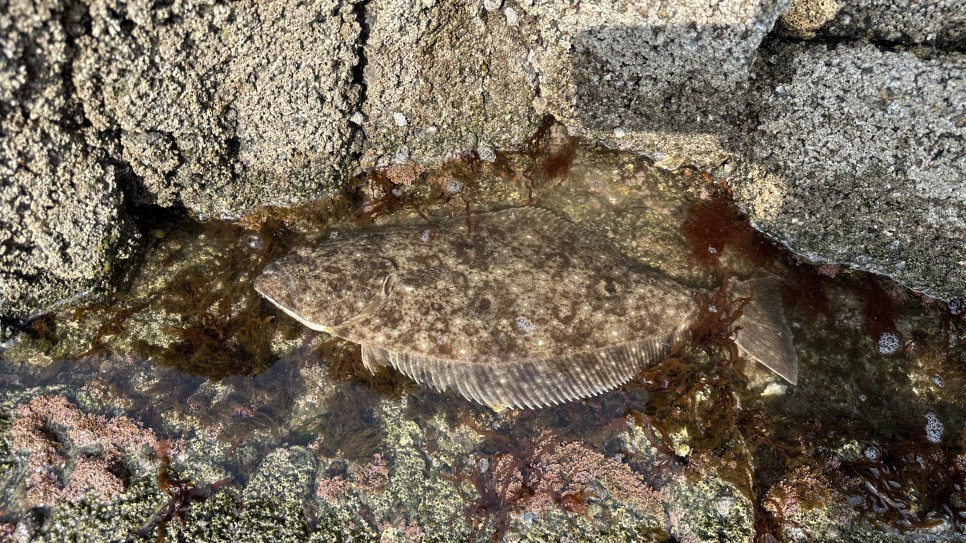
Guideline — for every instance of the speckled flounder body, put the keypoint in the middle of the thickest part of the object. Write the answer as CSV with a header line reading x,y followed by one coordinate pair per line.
x,y
522,309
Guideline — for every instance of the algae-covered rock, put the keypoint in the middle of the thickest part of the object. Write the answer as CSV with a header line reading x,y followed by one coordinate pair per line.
x,y
709,509
404,491
273,499
94,522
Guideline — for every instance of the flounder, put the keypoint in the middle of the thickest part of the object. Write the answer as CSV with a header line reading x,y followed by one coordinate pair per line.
x,y
522,309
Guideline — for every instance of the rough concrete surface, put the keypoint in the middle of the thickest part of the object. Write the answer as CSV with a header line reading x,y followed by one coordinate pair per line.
x,y
59,218
805,17
660,78
224,106
940,23
937,22
444,77
60,224
859,157
646,77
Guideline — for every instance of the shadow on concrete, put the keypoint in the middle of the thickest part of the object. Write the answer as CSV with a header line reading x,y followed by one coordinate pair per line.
x,y
677,78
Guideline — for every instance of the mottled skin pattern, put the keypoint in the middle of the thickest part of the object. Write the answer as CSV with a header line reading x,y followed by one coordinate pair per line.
x,y
524,285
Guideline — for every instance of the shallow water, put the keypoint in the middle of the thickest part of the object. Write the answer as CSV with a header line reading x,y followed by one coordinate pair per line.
x,y
188,378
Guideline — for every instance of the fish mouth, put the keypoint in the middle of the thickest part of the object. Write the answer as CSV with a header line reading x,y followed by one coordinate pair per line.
x,y
278,286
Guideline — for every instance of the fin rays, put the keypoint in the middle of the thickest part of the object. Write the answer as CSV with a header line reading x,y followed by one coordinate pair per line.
x,y
764,334
529,383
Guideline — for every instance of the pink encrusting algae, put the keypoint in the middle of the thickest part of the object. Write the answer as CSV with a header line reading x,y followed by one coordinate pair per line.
x,y
70,454
373,476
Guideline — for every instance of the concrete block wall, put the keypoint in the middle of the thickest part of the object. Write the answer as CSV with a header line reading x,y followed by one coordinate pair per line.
x,y
839,125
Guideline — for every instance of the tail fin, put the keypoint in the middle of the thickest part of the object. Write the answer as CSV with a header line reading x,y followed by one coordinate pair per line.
x,y
764,333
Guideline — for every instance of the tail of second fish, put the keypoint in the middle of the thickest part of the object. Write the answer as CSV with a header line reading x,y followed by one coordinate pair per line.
x,y
764,334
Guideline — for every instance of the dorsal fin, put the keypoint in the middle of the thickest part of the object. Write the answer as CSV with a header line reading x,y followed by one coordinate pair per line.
x,y
764,334
530,383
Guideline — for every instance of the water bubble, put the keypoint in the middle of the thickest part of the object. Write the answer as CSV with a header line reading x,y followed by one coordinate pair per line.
x,y
396,192
454,186
889,343
333,235
862,397
425,235
525,326
934,428
713,250
255,242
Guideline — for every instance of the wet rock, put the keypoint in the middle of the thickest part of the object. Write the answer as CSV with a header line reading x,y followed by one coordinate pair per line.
x,y
709,510
444,78
273,499
858,158
223,107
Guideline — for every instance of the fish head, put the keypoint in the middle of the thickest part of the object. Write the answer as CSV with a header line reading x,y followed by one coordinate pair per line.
x,y
328,288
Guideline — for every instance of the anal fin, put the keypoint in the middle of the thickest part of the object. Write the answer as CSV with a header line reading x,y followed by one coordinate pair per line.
x,y
528,383
374,358
765,335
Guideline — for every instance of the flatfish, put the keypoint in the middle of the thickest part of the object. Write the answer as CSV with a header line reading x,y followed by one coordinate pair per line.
x,y
513,308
